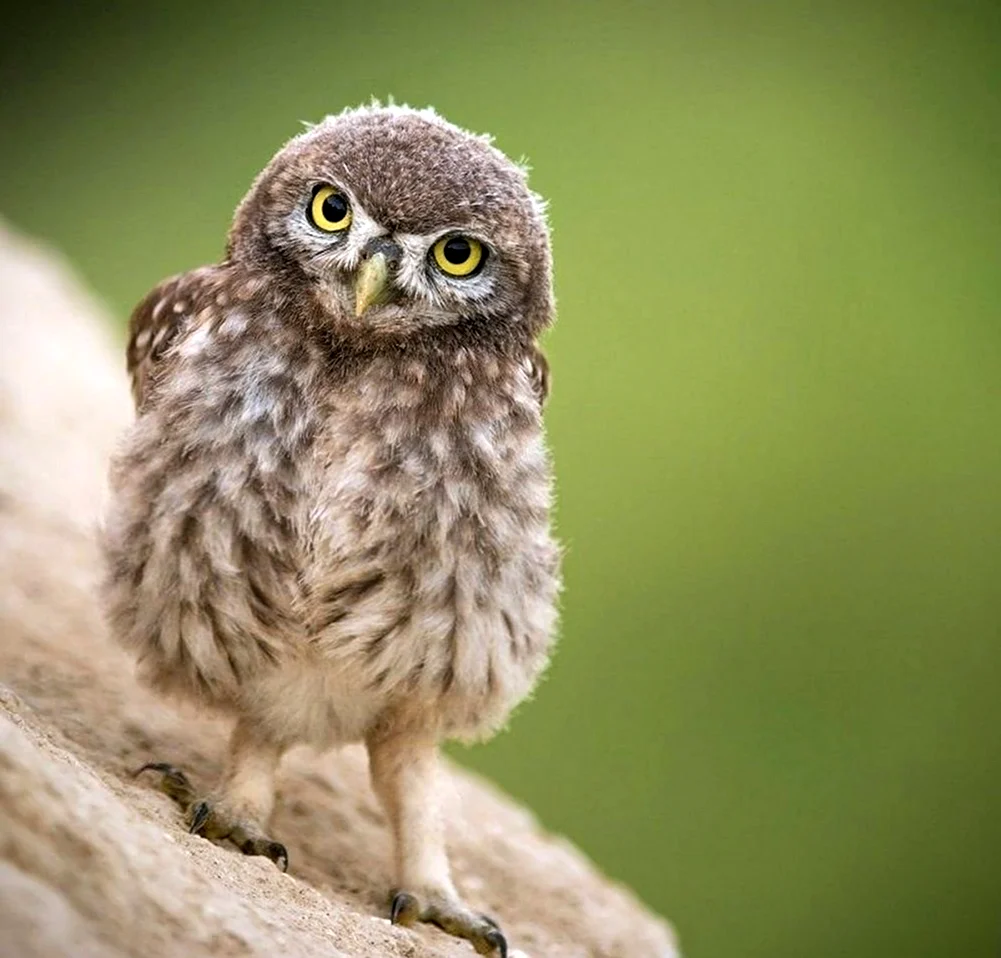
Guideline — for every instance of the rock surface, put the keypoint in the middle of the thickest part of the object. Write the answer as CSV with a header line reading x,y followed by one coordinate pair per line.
x,y
95,863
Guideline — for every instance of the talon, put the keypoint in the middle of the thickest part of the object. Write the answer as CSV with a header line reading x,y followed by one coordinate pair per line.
x,y
496,940
156,767
490,921
276,851
199,816
278,854
174,783
404,910
252,842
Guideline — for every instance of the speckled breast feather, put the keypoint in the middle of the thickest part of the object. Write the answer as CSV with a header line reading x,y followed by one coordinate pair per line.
x,y
322,562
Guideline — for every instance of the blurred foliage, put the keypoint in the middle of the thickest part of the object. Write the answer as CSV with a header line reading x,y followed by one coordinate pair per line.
x,y
775,710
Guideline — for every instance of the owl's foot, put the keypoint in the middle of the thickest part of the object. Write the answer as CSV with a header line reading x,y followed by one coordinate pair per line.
x,y
212,819
450,916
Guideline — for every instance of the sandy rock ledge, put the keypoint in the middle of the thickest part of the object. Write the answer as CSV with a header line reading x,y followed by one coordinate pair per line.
x,y
93,863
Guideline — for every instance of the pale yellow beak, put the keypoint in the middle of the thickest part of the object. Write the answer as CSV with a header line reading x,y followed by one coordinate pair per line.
x,y
372,283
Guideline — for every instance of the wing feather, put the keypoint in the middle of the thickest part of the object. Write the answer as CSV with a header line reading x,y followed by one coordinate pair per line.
x,y
155,325
538,371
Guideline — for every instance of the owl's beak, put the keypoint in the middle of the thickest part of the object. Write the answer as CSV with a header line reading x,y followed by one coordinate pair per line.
x,y
373,284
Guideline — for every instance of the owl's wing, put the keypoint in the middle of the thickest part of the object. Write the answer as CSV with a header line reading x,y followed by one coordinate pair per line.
x,y
538,372
155,325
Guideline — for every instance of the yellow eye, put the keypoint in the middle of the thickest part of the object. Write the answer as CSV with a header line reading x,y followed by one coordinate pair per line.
x,y
458,255
330,210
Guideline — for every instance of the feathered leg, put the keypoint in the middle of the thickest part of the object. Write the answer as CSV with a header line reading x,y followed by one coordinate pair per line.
x,y
404,776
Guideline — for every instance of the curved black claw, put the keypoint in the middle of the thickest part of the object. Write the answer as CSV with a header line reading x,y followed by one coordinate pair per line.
x,y
405,909
276,851
497,941
155,767
199,817
174,783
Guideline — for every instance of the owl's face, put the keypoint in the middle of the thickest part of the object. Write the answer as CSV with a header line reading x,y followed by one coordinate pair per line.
x,y
395,221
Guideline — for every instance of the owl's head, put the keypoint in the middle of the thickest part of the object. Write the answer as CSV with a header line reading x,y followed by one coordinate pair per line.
x,y
393,221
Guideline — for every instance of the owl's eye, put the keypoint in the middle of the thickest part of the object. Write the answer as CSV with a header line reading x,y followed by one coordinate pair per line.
x,y
329,210
458,255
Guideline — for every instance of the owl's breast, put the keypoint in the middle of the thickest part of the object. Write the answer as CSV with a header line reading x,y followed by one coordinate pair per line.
x,y
433,573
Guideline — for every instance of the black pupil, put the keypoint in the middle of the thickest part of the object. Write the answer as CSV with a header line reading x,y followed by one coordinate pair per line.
x,y
335,208
457,251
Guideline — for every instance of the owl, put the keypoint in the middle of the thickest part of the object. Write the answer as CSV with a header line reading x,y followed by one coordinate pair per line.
x,y
330,517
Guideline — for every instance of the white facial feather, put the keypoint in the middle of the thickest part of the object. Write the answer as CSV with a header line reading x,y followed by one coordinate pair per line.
x,y
439,299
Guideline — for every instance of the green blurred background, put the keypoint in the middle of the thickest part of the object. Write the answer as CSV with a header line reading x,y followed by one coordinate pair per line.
x,y
775,709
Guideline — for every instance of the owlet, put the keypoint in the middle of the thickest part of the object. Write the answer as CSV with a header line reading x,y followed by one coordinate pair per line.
x,y
330,517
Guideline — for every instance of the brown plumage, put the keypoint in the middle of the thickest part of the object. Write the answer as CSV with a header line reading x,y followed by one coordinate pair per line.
x,y
331,516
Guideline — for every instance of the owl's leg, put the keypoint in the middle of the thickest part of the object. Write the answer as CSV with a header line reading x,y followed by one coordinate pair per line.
x,y
404,776
244,800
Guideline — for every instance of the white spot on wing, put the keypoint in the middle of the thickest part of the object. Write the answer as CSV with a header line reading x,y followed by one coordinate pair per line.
x,y
234,324
195,342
